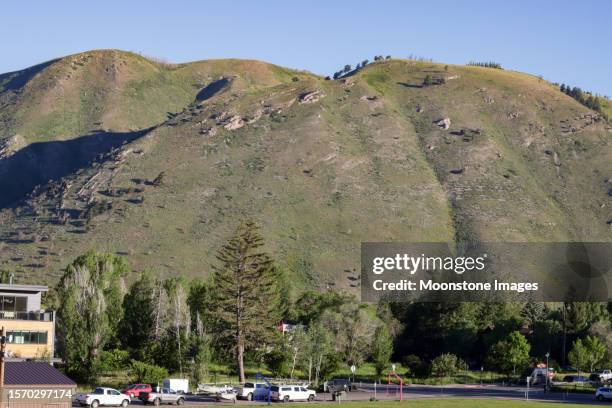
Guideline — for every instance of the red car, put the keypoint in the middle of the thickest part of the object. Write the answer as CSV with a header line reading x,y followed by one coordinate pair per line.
x,y
134,390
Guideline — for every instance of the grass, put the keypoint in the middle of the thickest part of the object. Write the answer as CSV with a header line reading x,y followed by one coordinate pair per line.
x,y
319,177
452,403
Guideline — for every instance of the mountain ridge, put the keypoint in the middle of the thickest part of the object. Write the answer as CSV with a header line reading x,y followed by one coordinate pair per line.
x,y
323,165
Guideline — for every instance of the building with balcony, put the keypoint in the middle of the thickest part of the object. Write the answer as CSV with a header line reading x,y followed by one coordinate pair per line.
x,y
30,331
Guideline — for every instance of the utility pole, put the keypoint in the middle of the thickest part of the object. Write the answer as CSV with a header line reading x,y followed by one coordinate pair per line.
x,y
2,353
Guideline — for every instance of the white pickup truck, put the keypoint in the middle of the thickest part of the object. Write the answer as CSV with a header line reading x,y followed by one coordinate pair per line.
x,y
252,391
604,375
102,396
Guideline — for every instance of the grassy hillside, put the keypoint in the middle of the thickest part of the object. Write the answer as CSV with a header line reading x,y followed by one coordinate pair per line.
x,y
322,165
111,90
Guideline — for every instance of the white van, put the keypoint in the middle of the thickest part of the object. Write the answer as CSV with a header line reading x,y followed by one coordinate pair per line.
x,y
288,393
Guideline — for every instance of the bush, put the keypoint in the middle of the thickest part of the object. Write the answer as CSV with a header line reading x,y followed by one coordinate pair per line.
x,y
113,360
446,365
278,361
148,373
415,366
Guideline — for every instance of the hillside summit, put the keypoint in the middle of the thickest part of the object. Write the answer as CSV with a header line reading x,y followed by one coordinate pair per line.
x,y
109,150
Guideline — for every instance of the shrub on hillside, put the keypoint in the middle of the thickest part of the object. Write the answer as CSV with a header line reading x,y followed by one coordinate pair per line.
x,y
148,373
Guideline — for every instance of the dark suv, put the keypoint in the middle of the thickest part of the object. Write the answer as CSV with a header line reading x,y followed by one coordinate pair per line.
x,y
340,384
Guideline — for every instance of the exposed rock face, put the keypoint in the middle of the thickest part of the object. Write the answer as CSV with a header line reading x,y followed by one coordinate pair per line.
x,y
233,123
555,157
11,145
443,123
368,98
311,97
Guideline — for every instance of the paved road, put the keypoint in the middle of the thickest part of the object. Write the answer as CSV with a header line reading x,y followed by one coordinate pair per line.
x,y
425,392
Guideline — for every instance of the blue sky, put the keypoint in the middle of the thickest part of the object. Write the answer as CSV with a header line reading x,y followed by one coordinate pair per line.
x,y
564,41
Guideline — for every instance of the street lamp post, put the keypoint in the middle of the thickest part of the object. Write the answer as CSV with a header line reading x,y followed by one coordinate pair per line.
x,y
481,371
547,371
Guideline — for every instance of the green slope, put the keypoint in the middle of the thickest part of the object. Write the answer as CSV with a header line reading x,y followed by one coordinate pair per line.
x,y
111,90
325,165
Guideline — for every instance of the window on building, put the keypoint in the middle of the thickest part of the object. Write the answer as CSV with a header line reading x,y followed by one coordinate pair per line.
x,y
26,337
13,304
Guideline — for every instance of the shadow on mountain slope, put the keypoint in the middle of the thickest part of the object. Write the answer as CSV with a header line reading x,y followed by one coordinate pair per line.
x,y
213,88
41,162
13,81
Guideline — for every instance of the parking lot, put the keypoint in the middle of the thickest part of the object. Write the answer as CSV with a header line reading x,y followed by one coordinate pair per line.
x,y
417,392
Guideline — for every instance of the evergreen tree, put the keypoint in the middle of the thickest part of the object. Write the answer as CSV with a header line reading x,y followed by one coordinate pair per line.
x,y
137,325
244,295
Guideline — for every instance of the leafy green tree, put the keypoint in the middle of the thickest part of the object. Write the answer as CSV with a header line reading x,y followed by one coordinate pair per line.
x,y
179,317
200,301
578,356
113,360
279,358
91,294
510,353
382,348
203,351
324,360
353,328
244,292
596,351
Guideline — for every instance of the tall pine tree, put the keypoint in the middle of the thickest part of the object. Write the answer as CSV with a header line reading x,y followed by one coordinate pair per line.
x,y
244,292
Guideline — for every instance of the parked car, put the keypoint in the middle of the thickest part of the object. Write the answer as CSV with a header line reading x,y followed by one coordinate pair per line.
x,y
250,391
288,393
538,375
575,379
134,390
338,384
603,393
102,396
163,396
